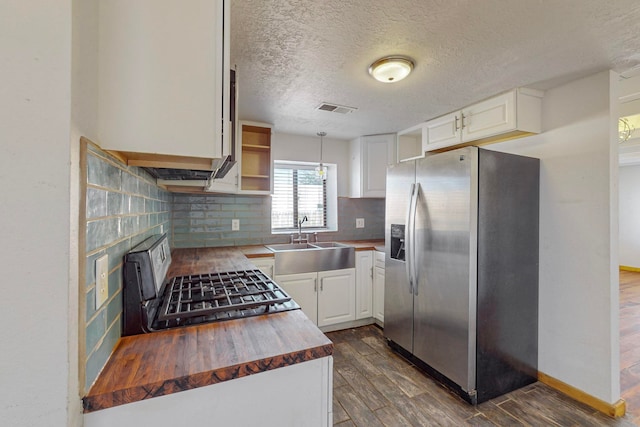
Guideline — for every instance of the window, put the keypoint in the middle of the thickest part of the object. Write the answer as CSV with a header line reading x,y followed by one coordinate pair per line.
x,y
298,191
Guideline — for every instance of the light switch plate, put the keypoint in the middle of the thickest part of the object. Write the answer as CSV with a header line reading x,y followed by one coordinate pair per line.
x,y
102,280
235,224
359,222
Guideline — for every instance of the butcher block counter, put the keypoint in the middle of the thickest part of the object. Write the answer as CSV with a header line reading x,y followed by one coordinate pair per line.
x,y
166,362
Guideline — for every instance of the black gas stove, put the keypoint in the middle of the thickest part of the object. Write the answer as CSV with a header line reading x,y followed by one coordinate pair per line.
x,y
152,303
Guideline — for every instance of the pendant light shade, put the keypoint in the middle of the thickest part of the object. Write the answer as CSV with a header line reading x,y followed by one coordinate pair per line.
x,y
321,170
391,69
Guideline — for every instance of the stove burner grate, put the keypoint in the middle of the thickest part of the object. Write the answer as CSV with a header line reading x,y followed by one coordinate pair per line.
x,y
213,293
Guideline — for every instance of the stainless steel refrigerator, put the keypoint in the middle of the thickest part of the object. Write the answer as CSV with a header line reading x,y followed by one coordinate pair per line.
x,y
461,278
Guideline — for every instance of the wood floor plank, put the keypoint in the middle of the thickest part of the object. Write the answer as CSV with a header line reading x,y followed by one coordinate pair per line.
x,y
359,413
497,416
453,403
526,414
573,404
630,378
630,341
338,380
377,343
606,421
405,382
388,388
339,414
387,361
391,417
480,421
555,410
413,413
365,390
413,398
436,412
356,359
361,347
629,357
347,423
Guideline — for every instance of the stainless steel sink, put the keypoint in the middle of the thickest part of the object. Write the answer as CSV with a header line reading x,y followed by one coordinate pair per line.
x,y
293,258
330,245
290,247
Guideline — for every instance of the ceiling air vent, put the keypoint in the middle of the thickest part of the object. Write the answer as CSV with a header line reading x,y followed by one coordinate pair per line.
x,y
335,108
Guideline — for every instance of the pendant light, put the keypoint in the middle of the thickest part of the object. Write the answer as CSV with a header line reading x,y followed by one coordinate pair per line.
x,y
321,171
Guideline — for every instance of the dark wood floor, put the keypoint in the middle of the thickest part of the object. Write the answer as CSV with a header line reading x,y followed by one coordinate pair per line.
x,y
630,342
373,386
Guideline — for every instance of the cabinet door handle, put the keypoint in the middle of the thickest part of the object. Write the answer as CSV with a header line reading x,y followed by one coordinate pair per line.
x,y
463,117
321,284
315,285
456,124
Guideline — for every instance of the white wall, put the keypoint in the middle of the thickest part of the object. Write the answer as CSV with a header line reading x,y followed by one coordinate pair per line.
x,y
35,71
630,216
307,149
578,325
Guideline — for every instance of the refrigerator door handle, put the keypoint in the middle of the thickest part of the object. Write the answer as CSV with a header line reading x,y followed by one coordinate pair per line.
x,y
407,241
414,264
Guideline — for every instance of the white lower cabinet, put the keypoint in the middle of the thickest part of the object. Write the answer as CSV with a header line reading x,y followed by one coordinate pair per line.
x,y
378,287
303,288
364,284
336,299
326,297
266,265
305,387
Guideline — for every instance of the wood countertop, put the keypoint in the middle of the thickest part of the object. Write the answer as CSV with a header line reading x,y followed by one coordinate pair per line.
x,y
165,362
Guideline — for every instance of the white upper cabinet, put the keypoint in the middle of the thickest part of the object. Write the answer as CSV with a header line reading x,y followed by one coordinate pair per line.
x,y
509,115
164,77
493,116
370,156
443,131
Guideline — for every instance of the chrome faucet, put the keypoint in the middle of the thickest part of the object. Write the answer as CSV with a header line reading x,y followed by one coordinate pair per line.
x,y
300,221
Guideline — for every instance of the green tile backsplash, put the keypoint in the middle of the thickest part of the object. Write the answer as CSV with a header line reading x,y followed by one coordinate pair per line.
x,y
123,207
205,220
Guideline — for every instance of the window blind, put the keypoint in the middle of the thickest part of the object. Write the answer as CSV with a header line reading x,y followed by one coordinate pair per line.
x,y
298,191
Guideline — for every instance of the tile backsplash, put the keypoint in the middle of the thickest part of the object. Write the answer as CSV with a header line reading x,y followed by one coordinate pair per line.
x,y
205,220
124,206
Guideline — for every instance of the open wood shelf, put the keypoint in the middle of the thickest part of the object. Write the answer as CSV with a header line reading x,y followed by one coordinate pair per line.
x,y
255,172
256,147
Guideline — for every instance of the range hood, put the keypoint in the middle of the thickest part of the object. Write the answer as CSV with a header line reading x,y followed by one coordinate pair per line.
x,y
203,175
219,168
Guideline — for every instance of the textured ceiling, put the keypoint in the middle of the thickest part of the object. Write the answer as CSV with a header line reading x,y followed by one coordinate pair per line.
x,y
294,54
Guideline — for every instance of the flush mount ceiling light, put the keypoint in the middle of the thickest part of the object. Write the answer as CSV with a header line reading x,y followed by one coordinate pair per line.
x,y
391,69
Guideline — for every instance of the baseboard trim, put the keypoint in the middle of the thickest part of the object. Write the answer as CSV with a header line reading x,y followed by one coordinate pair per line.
x,y
616,410
629,268
347,325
